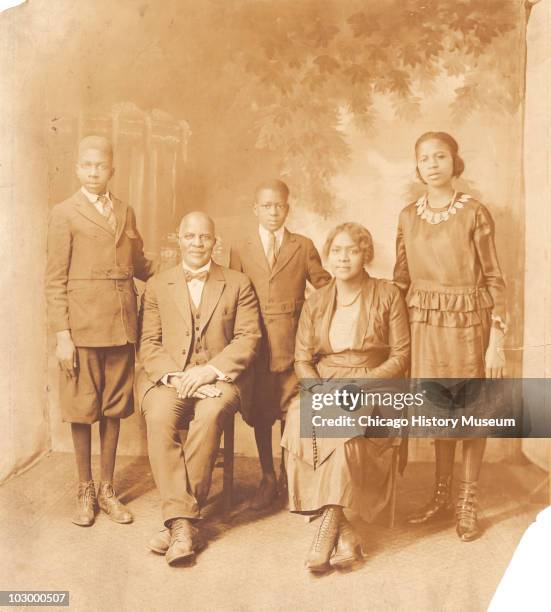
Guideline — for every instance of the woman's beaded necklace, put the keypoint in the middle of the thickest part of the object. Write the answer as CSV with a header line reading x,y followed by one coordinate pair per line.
x,y
434,217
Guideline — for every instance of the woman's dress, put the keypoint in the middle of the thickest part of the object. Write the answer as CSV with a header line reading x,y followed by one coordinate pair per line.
x,y
353,473
447,264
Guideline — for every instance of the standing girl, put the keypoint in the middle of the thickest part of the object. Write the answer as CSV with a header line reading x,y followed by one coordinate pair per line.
x,y
446,261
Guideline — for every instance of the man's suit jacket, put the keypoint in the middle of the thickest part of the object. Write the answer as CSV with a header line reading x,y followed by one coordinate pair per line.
x,y
229,327
89,274
280,291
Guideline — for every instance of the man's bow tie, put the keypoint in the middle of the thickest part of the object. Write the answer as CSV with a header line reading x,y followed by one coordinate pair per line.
x,y
201,276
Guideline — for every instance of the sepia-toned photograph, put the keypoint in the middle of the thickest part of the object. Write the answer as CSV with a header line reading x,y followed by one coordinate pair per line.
x,y
277,305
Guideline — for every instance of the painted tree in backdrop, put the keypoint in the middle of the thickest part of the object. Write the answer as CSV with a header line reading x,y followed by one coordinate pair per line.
x,y
290,69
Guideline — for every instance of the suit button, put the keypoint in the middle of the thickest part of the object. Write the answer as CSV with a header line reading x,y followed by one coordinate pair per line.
x,y
187,333
196,329
184,351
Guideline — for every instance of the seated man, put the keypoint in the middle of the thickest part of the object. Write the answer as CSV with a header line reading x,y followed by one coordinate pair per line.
x,y
199,333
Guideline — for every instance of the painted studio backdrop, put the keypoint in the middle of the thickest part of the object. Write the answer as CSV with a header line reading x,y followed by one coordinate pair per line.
x,y
203,99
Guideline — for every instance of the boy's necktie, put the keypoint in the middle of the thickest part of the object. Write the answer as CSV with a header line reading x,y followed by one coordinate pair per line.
x,y
272,250
107,212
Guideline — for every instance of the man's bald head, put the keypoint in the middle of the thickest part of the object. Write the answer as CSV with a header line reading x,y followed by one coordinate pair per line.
x,y
197,239
196,217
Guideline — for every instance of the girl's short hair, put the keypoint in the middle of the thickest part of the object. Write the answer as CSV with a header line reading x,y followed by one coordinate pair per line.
x,y
359,234
450,142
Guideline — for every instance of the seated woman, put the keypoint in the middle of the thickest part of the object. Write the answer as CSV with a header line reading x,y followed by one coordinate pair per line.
x,y
355,327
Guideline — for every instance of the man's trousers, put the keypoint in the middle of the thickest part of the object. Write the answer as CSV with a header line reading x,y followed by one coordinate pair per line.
x,y
183,473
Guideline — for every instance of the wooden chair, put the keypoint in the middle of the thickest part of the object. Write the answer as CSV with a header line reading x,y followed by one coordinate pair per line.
x,y
227,464
393,481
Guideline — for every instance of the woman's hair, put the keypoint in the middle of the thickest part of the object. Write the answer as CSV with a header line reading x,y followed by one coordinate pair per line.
x,y
450,142
359,234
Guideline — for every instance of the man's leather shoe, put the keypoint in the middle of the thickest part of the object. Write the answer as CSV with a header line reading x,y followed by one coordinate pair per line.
x,y
185,541
160,542
85,511
110,504
266,494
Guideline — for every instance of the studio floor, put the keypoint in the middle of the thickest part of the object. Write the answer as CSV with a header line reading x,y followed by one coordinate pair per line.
x,y
254,560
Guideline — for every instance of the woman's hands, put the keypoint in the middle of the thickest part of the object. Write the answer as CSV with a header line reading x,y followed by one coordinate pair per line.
x,y
495,357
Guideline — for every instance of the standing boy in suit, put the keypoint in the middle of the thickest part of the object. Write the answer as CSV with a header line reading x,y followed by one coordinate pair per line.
x,y
94,251
278,263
